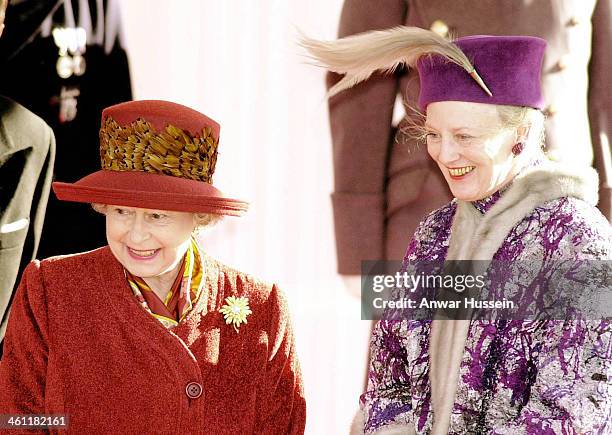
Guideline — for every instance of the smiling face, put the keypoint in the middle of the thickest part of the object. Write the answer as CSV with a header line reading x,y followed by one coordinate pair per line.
x,y
471,147
149,243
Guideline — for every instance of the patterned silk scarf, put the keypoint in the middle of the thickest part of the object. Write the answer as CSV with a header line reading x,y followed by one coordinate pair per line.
x,y
182,296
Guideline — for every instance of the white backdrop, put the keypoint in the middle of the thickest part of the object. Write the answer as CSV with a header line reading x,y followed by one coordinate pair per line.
x,y
238,62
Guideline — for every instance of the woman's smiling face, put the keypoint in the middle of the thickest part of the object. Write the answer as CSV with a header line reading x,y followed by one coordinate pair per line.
x,y
471,147
149,243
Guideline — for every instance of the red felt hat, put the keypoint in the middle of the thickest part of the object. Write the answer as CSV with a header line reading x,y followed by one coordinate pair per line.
x,y
157,155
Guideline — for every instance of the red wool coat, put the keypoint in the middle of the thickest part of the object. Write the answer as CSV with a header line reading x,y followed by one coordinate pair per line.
x,y
78,343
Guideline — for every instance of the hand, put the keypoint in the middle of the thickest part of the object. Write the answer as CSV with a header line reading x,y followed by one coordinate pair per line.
x,y
605,205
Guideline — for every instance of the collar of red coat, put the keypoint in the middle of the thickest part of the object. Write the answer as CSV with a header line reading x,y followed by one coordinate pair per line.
x,y
110,271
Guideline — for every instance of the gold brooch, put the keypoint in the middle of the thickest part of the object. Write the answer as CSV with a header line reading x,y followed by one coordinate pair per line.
x,y
235,311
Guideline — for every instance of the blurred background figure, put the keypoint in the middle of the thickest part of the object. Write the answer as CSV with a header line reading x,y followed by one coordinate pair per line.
x,y
64,60
384,183
27,150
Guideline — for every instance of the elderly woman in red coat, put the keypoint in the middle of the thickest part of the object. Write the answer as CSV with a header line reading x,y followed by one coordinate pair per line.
x,y
149,334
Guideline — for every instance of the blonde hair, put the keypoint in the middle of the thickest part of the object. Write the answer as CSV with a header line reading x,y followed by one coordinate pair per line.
x,y
517,116
511,117
203,221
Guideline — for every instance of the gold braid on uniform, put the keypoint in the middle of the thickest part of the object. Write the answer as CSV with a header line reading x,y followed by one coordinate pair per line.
x,y
173,151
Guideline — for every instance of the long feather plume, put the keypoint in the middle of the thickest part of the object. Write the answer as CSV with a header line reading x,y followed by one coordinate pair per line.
x,y
359,56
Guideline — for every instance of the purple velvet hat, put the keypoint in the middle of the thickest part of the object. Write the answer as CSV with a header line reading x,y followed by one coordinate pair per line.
x,y
509,65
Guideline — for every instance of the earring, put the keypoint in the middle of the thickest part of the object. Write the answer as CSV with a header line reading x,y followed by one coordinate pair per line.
x,y
518,148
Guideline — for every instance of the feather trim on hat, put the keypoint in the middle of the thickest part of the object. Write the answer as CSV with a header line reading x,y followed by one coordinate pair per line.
x,y
360,55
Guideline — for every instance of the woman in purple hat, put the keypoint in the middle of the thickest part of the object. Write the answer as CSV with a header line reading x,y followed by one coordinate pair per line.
x,y
513,208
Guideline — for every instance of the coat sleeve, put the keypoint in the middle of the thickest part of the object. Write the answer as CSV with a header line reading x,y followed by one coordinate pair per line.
x,y
573,390
387,403
600,102
282,406
386,406
23,367
361,128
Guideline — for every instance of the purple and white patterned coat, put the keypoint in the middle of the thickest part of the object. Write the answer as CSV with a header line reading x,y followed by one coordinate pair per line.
x,y
500,377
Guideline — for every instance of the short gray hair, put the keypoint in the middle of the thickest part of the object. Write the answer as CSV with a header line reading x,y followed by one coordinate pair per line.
x,y
204,221
519,116
413,125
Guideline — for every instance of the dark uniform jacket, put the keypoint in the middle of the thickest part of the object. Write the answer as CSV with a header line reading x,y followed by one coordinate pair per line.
x,y
28,71
27,151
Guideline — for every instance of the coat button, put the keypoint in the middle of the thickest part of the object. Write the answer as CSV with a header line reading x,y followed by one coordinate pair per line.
x,y
439,27
193,390
573,22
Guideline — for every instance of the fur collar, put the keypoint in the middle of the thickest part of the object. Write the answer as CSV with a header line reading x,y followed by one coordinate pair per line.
x,y
478,237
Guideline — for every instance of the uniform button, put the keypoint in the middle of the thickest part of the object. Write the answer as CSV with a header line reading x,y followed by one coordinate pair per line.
x,y
439,27
574,21
193,390
563,62
550,111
